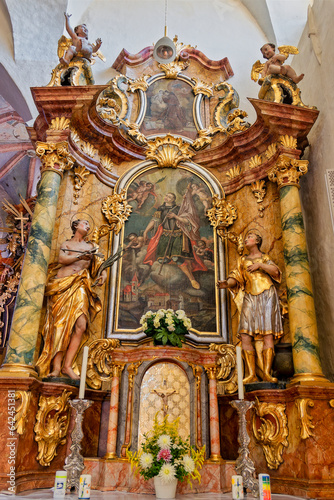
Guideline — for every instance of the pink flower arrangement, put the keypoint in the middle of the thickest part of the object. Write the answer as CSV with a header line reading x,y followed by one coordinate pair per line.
x,y
164,454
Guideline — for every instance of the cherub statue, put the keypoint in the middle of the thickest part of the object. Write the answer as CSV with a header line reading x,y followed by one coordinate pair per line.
x,y
274,64
260,318
80,46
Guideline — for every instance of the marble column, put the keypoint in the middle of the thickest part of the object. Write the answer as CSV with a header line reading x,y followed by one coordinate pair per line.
x,y
214,414
113,413
21,347
302,320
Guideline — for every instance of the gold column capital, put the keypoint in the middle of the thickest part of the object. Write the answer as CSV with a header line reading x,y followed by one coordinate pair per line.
x,y
287,171
54,156
211,371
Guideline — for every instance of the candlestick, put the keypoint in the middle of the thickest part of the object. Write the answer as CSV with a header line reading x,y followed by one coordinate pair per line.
x,y
240,374
83,373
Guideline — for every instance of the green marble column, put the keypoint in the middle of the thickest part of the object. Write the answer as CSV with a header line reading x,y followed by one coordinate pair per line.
x,y
303,327
21,347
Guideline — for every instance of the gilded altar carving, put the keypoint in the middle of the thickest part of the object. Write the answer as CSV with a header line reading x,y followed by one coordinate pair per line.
x,y
236,122
116,210
100,367
227,102
288,141
80,178
139,84
112,104
272,433
168,151
211,371
271,150
132,372
59,123
287,171
331,403
222,213
306,425
21,414
255,161
106,163
233,172
54,156
88,149
133,132
202,88
205,136
259,190
226,368
52,421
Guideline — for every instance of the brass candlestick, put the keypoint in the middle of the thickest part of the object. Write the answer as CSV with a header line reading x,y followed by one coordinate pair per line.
x,y
74,463
244,464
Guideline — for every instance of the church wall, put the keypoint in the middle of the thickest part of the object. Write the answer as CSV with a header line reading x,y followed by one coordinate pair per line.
x,y
317,90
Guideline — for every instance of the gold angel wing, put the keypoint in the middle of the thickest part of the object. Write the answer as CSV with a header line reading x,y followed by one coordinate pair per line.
x,y
63,44
256,70
288,49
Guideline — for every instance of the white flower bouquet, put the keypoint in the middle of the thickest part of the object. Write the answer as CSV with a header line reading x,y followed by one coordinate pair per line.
x,y
166,455
166,326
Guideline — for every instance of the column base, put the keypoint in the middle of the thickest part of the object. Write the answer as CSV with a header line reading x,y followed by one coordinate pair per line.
x,y
309,379
215,458
110,456
9,370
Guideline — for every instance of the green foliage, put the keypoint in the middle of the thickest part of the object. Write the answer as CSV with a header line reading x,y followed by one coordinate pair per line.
x,y
166,327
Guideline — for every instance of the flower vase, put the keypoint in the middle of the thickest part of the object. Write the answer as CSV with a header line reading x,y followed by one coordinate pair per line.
x,y
165,490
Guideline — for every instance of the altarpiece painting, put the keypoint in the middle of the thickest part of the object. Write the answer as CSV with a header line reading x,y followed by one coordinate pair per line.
x,y
169,247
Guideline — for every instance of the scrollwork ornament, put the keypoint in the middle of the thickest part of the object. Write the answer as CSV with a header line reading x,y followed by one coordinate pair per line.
x,y
139,84
100,364
259,190
134,132
21,415
80,178
222,213
51,426
116,210
54,156
172,69
168,151
287,171
272,433
305,419
227,377
205,137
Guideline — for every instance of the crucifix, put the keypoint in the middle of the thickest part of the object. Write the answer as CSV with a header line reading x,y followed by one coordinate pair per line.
x,y
164,394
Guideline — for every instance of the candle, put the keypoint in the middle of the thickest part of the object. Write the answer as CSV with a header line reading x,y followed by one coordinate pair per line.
x,y
240,373
83,373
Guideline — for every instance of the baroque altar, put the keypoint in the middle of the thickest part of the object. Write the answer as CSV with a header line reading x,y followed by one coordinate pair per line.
x,y
115,153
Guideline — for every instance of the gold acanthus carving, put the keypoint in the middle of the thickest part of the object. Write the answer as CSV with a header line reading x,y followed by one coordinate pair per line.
x,y
255,161
236,121
106,163
134,132
80,178
288,141
54,156
172,69
87,148
21,415
205,136
202,88
116,210
139,84
100,367
51,426
168,151
305,419
59,123
271,150
272,433
234,172
222,213
226,368
211,371
287,171
133,370
259,190
197,372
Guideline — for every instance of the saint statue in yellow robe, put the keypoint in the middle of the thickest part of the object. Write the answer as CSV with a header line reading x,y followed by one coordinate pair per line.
x,y
71,301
